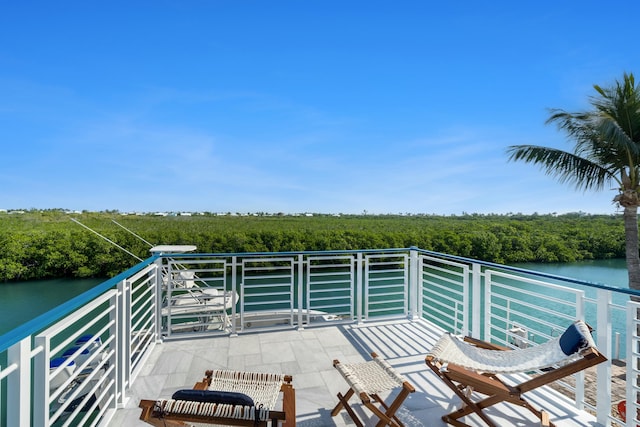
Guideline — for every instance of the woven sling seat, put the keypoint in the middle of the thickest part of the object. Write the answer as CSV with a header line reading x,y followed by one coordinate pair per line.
x,y
366,380
226,398
469,365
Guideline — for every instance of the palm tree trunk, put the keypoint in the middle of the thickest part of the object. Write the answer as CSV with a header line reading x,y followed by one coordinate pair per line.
x,y
631,245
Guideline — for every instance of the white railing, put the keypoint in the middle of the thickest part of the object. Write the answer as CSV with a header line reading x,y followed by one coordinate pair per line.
x,y
82,378
513,305
386,287
110,331
445,293
73,365
331,284
518,308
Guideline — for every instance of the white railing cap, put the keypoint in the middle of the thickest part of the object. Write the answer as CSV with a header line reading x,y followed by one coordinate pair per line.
x,y
172,249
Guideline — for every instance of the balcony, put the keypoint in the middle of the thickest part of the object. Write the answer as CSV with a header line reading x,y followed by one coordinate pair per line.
x,y
157,327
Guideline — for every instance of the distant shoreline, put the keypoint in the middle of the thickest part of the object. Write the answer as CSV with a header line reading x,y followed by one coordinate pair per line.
x,y
48,244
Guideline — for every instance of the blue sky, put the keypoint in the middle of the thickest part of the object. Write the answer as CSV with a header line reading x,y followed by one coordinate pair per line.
x,y
299,106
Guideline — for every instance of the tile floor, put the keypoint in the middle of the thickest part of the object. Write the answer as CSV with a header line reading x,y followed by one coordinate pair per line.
x,y
307,355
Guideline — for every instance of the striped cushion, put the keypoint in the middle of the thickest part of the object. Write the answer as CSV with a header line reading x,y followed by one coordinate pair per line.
x,y
213,396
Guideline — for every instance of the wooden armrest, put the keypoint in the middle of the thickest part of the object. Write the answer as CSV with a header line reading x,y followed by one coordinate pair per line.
x,y
202,385
484,344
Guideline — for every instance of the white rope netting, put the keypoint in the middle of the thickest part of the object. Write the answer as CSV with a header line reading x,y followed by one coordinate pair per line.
x,y
370,377
263,388
452,349
186,407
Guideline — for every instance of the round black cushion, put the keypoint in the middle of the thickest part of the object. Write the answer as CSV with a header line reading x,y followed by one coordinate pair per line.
x,y
213,396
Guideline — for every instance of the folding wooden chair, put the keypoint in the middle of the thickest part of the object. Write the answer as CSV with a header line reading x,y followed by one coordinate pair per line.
x,y
227,398
367,380
472,365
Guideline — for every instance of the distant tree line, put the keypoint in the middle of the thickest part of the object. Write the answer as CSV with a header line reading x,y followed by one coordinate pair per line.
x,y
47,244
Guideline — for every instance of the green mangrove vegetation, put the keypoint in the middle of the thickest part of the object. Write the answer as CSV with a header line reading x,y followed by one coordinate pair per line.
x,y
48,244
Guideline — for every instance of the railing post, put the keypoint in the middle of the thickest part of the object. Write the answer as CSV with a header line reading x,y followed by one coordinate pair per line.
x,y
414,283
476,306
300,290
19,384
157,298
234,285
42,387
123,338
168,298
359,300
116,330
603,370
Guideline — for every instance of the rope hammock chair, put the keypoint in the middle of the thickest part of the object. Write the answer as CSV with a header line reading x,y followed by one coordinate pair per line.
x,y
467,364
226,398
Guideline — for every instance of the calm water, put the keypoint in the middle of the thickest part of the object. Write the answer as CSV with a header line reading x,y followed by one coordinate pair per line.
x,y
612,272
22,301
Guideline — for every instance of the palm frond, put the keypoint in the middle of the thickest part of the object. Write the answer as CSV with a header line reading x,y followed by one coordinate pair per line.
x,y
617,137
566,167
607,141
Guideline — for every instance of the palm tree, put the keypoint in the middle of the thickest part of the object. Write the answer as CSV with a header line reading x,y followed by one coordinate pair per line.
x,y
606,152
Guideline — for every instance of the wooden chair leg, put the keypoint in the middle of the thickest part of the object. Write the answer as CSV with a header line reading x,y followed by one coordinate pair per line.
x,y
386,413
343,402
289,405
340,404
544,419
390,417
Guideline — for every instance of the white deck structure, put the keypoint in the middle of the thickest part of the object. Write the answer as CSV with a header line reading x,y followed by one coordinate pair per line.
x,y
294,313
308,354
